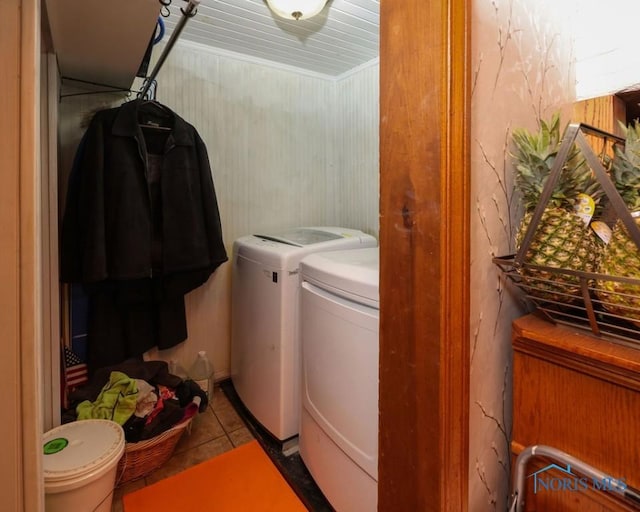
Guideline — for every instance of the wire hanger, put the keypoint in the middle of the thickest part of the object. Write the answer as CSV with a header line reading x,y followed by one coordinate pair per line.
x,y
160,116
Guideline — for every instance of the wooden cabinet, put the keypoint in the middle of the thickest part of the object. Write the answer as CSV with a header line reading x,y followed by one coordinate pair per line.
x,y
604,113
580,394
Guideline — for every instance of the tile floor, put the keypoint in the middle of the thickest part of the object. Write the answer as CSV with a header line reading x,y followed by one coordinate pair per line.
x,y
225,425
215,431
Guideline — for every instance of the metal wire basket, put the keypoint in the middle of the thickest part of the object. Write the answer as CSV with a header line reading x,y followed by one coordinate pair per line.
x,y
589,309
580,299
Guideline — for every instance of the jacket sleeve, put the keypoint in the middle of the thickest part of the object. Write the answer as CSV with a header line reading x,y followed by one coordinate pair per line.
x,y
217,252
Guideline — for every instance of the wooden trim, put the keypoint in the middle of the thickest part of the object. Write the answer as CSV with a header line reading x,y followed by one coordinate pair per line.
x,y
10,431
49,240
424,255
21,484
577,350
30,254
455,306
53,90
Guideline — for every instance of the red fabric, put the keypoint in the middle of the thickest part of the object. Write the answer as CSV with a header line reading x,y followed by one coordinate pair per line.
x,y
156,410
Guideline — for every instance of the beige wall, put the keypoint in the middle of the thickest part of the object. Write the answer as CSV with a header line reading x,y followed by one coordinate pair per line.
x,y
355,163
522,70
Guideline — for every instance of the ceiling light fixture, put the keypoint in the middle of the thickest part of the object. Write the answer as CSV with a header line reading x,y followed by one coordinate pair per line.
x,y
296,9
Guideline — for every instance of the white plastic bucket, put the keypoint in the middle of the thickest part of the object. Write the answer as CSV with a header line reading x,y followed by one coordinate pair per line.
x,y
80,462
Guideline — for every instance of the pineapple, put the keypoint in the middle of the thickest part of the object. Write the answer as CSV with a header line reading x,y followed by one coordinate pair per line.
x,y
621,256
561,240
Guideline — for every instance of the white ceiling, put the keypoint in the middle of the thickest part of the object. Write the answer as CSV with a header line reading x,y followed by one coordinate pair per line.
x,y
342,37
103,41
607,59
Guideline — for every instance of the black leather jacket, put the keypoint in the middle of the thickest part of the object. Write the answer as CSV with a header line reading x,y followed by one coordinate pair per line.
x,y
131,215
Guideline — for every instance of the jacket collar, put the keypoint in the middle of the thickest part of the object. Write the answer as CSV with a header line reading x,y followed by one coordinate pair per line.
x,y
126,124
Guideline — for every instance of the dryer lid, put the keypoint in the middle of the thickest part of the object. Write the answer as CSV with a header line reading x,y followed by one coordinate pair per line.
x,y
300,237
354,272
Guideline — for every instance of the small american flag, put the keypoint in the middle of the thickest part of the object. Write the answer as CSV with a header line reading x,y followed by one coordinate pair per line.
x,y
75,371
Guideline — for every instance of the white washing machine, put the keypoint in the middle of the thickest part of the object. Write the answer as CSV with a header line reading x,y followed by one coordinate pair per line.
x,y
265,354
339,336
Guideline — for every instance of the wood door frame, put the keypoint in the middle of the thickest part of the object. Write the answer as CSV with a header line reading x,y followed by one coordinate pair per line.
x,y
424,255
424,239
21,485
49,92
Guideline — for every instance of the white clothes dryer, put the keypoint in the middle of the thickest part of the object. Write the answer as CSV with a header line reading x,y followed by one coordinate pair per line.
x,y
265,355
339,336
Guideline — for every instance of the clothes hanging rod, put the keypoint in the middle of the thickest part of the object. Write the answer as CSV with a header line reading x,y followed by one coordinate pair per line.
x,y
110,88
188,12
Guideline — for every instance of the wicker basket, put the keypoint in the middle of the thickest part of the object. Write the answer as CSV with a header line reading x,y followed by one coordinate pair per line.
x,y
146,456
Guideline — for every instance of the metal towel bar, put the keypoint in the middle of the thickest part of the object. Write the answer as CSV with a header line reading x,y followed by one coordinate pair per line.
x,y
582,468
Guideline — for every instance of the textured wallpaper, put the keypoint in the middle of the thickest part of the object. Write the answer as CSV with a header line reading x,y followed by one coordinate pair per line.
x,y
521,71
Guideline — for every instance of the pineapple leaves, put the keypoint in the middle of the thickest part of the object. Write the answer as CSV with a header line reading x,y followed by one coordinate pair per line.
x,y
626,166
534,157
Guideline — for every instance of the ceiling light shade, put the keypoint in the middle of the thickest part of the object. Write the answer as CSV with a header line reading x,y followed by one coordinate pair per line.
x,y
296,9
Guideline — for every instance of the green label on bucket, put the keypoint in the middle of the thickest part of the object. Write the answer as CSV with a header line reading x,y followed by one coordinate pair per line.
x,y
55,445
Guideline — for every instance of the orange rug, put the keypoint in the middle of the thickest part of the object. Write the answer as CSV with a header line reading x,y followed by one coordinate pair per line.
x,y
243,479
